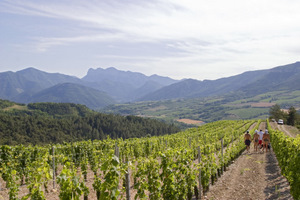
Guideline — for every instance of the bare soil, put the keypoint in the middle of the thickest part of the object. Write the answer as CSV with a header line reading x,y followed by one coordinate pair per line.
x,y
190,121
290,131
254,175
262,105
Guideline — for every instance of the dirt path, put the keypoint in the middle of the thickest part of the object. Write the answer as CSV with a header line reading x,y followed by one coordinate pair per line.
x,y
284,129
288,130
252,176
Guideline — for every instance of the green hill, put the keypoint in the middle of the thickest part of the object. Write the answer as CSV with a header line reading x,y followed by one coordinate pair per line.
x,y
44,123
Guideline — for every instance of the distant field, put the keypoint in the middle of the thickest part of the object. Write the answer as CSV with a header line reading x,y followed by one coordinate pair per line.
x,y
262,105
17,107
211,109
249,113
190,121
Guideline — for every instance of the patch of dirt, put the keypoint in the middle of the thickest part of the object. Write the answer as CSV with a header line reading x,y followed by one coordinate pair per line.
x,y
262,105
190,121
254,175
17,107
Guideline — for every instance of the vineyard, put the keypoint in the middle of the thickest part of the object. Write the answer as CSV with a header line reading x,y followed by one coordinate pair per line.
x,y
287,150
178,166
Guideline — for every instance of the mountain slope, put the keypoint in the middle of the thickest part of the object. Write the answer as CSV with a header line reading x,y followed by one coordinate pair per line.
x,y
135,79
191,88
22,84
28,85
280,78
73,93
45,79
124,85
13,84
251,83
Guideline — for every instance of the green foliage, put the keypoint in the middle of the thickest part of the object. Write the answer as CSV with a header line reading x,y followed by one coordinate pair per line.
x,y
71,188
58,109
204,109
293,116
249,113
5,104
46,123
38,177
163,167
287,151
276,112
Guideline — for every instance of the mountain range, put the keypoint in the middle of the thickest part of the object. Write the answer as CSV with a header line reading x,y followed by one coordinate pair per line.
x,y
250,83
102,87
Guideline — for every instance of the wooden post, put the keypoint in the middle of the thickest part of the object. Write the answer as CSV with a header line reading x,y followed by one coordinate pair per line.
x,y
53,164
117,151
222,154
199,161
190,141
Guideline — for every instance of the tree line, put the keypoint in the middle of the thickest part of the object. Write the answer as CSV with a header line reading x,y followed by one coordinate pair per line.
x,y
45,123
290,117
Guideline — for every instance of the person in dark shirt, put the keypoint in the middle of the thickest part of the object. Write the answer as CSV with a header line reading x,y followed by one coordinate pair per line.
x,y
247,139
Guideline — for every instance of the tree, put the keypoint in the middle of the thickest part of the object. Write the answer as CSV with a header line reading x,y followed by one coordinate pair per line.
x,y
276,112
292,116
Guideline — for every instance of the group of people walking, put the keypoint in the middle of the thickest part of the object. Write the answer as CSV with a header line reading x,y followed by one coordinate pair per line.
x,y
260,139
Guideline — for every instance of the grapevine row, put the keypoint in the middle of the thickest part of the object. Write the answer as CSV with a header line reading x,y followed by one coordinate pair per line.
x,y
287,150
162,167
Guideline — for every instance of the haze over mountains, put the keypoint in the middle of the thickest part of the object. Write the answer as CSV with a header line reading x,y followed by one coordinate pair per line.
x,y
102,87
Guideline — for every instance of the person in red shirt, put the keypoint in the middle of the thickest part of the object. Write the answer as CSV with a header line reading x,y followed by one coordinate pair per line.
x,y
260,133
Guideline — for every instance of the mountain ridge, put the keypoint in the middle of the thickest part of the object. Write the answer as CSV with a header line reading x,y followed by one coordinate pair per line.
x,y
112,86
24,85
249,83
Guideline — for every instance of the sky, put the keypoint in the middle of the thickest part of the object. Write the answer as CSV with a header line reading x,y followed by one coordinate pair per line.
x,y
196,39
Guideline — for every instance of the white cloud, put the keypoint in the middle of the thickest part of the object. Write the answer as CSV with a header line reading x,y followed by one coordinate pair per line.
x,y
197,38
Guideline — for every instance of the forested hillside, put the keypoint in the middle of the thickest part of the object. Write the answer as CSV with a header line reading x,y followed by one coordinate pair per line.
x,y
45,123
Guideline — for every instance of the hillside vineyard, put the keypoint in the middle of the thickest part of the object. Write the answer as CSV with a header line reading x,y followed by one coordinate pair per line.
x,y
177,166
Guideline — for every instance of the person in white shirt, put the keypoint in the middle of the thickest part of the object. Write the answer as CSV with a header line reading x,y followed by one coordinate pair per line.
x,y
260,133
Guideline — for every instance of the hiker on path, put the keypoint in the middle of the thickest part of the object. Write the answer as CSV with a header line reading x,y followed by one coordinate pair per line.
x,y
266,140
260,133
247,139
255,140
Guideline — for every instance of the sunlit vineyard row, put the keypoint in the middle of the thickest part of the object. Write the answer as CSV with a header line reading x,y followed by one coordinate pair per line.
x,y
163,167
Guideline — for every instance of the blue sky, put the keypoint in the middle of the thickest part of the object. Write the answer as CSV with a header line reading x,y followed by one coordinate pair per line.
x,y
176,38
